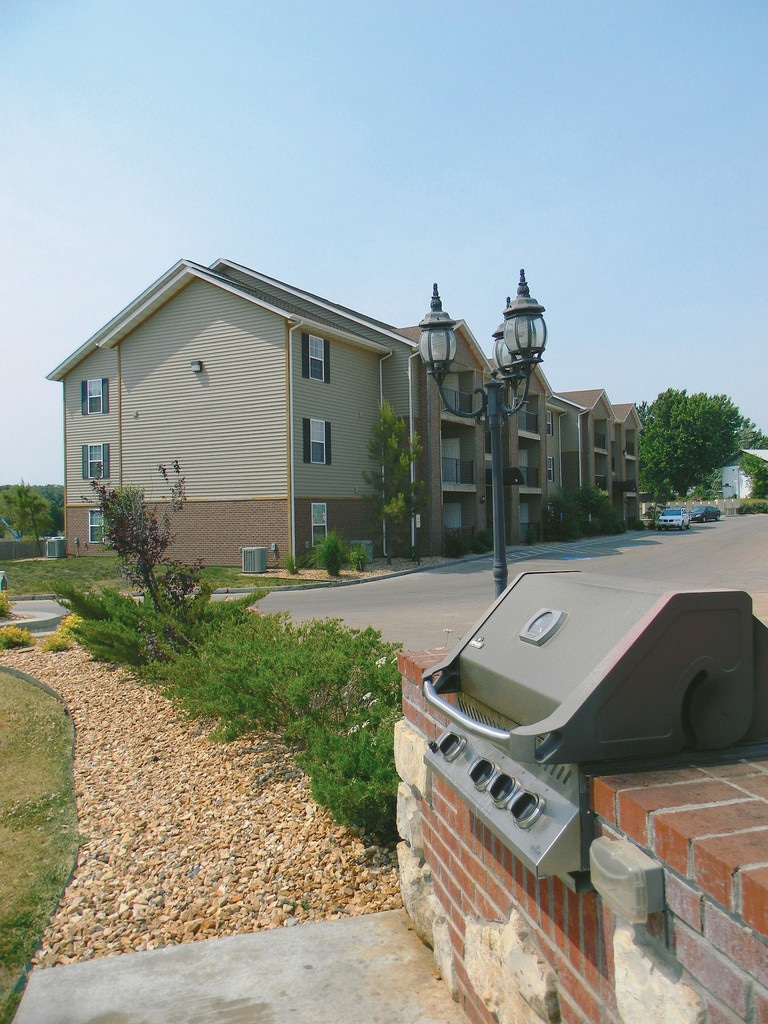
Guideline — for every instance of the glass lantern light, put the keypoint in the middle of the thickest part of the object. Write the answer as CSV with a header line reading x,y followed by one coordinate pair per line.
x,y
437,343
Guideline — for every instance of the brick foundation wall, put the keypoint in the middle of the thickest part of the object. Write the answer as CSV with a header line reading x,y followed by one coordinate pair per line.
x,y
519,950
214,531
353,518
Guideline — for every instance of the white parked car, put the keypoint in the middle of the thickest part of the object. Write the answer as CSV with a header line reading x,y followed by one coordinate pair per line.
x,y
673,519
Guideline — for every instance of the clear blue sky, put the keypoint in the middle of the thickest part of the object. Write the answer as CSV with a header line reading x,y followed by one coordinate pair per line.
x,y
362,150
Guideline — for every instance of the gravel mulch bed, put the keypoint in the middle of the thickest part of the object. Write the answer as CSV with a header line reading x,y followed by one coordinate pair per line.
x,y
185,839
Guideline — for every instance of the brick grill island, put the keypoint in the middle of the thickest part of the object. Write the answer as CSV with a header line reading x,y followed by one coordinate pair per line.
x,y
514,948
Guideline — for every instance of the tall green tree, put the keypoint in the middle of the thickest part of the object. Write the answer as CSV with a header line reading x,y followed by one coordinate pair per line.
x,y
26,510
757,471
684,438
395,496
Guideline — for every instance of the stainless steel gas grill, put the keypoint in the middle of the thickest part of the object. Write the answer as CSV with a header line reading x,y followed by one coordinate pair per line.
x,y
569,675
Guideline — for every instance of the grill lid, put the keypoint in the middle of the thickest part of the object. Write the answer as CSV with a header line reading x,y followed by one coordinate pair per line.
x,y
579,667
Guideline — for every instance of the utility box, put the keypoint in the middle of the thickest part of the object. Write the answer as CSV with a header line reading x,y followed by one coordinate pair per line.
x,y
366,545
254,559
56,547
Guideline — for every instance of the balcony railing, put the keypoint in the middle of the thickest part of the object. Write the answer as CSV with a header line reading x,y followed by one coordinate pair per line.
x,y
528,421
461,400
629,448
601,441
601,482
530,476
458,471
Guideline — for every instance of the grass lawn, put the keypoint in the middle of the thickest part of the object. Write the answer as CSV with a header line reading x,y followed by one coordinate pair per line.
x,y
38,824
29,576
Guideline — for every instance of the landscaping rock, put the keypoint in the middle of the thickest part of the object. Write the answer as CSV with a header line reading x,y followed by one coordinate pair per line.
x,y
185,839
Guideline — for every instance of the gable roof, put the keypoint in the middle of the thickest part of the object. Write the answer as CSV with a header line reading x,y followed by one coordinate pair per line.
x,y
296,306
587,399
625,410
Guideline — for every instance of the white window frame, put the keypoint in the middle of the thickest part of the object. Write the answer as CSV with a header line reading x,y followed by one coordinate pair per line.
x,y
316,358
95,392
319,521
551,468
95,526
550,423
92,461
317,442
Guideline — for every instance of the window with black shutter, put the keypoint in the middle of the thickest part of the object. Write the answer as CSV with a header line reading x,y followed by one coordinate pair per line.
x,y
315,358
94,396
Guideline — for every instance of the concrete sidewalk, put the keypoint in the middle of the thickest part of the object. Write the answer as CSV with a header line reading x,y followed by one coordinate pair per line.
x,y
370,969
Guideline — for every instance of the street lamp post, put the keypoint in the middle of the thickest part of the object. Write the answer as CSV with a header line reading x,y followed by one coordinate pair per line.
x,y
519,347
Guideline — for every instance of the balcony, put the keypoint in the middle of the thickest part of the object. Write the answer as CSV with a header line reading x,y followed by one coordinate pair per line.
x,y
601,482
528,422
629,448
461,400
531,476
458,471
601,441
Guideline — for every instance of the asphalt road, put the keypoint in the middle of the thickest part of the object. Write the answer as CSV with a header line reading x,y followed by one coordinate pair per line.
x,y
435,608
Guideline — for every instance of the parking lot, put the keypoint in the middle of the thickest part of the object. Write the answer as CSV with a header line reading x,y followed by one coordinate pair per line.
x,y
434,608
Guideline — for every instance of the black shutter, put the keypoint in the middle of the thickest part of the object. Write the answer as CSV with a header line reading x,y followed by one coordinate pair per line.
x,y
304,354
307,449
105,461
85,462
327,361
327,443
105,394
84,397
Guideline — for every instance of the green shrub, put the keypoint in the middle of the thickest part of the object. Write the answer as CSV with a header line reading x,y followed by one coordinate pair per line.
x,y
15,636
64,639
485,538
454,546
333,691
358,557
114,627
753,506
290,565
5,605
354,776
331,553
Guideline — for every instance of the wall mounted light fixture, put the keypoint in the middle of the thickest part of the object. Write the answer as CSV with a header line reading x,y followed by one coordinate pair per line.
x,y
196,365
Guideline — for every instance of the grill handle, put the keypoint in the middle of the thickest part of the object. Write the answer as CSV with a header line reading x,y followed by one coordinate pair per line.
x,y
486,732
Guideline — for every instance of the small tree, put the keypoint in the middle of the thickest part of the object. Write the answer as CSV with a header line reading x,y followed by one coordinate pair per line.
x,y
395,496
27,511
141,536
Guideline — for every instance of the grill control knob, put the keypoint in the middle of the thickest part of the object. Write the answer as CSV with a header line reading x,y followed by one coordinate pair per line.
x,y
450,745
503,788
526,807
481,772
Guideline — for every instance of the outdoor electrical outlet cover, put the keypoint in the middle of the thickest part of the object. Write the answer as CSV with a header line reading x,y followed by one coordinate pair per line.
x,y
630,881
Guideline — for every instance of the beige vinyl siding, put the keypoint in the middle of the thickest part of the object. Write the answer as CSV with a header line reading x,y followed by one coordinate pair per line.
x,y
96,428
395,379
226,425
350,402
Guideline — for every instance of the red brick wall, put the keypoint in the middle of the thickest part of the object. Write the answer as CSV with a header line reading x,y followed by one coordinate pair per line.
x,y
212,530
216,531
708,827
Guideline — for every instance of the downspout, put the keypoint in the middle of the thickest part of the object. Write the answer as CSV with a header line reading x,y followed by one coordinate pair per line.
x,y
581,449
411,357
381,402
291,457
